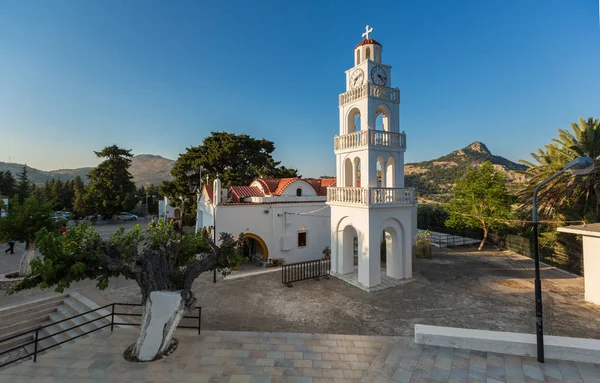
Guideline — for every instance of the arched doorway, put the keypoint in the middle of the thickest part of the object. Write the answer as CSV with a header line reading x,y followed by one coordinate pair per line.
x,y
349,249
254,245
393,251
177,213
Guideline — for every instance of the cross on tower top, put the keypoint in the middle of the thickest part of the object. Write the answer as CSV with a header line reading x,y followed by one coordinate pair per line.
x,y
367,31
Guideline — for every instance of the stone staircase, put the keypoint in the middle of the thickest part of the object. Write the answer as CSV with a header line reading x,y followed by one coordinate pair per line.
x,y
18,319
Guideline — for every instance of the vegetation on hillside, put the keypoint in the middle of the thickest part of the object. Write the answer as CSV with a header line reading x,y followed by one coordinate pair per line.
x,y
433,180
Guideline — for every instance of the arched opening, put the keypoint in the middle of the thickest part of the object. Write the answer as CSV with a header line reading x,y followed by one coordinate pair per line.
x,y
382,118
350,246
378,54
177,213
397,263
299,192
356,173
368,54
390,179
354,123
348,173
255,247
379,172
357,57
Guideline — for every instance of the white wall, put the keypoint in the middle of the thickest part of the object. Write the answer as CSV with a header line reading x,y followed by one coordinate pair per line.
x,y
267,222
591,267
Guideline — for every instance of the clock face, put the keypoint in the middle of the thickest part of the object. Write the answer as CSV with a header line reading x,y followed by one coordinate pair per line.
x,y
378,75
357,78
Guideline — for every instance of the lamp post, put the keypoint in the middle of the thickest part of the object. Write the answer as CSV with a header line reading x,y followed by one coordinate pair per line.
x,y
578,166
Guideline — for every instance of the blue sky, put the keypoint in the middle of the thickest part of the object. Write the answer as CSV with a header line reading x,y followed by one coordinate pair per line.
x,y
158,76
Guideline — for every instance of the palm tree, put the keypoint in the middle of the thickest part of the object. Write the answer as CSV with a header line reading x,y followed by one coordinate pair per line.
x,y
567,197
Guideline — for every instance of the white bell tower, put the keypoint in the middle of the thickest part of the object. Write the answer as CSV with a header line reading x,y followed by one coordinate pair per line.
x,y
369,204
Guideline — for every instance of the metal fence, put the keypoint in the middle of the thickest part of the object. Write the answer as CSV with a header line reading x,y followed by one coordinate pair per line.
x,y
295,272
37,339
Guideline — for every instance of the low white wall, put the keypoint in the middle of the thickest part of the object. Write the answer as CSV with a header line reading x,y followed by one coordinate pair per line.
x,y
555,347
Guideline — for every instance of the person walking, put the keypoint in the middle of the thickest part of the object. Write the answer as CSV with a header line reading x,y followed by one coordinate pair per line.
x,y
11,247
63,230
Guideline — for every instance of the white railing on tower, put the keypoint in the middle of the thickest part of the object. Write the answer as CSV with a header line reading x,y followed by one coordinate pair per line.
x,y
391,195
353,195
369,137
367,89
371,196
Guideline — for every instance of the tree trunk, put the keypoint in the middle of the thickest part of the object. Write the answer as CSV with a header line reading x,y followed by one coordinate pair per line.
x,y
485,234
162,312
30,253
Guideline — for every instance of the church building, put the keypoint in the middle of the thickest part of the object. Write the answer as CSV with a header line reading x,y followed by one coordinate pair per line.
x,y
354,213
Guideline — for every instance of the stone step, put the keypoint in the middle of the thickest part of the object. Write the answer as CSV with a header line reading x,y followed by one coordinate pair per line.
x,y
17,312
26,322
23,330
18,341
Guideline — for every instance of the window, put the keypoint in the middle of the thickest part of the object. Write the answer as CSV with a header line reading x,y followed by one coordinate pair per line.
x,y
299,192
302,239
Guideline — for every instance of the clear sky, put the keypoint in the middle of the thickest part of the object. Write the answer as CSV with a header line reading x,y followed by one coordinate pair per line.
x,y
159,76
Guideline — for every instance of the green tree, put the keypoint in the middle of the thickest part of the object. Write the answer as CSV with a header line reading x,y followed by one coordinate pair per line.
x,y
7,183
23,221
111,188
23,185
236,159
79,198
570,198
162,263
481,200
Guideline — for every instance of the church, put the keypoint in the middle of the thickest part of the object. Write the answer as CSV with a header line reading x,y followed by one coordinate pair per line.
x,y
366,205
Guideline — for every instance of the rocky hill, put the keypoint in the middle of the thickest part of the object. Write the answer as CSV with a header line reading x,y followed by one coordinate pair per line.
x,y
145,169
434,179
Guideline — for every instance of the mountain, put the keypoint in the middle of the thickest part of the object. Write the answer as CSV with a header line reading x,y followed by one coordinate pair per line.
x,y
434,179
145,169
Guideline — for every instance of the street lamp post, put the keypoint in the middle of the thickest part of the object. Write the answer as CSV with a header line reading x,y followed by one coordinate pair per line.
x,y
578,166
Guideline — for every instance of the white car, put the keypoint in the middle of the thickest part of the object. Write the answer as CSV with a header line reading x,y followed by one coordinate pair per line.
x,y
127,216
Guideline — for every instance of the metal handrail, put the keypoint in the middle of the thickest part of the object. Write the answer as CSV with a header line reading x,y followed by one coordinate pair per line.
x,y
112,314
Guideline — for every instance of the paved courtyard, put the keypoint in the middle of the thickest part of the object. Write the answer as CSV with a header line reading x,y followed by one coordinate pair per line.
x,y
245,357
489,290
256,329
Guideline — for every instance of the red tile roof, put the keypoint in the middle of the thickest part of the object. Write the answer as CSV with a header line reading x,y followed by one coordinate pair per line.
x,y
209,191
275,187
284,183
239,192
367,41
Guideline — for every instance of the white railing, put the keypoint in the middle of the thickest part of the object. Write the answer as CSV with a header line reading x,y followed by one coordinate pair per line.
x,y
347,195
371,196
391,195
351,140
381,92
370,137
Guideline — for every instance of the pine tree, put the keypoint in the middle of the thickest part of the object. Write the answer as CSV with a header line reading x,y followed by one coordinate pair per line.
x,y
23,186
111,188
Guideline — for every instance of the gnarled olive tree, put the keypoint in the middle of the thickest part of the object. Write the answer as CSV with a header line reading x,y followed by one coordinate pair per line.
x,y
163,264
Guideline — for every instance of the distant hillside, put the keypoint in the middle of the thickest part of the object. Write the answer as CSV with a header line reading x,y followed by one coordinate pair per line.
x,y
145,169
434,179
35,175
69,174
150,169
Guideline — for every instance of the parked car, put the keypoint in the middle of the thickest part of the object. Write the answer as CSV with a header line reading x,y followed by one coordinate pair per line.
x,y
127,216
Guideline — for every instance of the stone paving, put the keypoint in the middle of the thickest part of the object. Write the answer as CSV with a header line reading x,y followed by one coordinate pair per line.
x,y
245,357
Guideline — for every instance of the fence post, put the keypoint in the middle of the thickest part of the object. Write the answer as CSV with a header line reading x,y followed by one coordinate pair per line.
x,y
35,345
199,318
112,317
